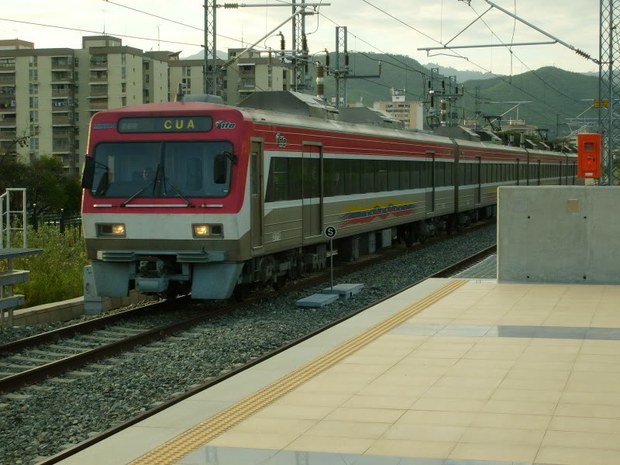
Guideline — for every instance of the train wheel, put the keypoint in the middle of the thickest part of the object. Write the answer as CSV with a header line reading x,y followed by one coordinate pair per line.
x,y
242,291
406,235
279,282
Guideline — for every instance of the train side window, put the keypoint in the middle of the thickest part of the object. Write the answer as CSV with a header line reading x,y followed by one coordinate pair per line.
x,y
440,174
294,179
334,177
353,176
417,169
381,180
277,186
329,189
404,174
425,174
393,176
368,176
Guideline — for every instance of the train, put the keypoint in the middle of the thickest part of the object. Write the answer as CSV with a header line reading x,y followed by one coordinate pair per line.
x,y
212,200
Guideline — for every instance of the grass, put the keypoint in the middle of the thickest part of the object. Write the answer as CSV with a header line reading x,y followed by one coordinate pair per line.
x,y
57,273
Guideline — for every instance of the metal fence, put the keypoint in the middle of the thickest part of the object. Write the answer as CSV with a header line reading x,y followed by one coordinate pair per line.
x,y
72,224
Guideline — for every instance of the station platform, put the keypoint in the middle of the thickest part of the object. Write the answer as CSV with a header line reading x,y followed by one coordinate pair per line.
x,y
450,372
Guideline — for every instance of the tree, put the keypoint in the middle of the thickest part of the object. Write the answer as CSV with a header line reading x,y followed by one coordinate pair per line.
x,y
49,188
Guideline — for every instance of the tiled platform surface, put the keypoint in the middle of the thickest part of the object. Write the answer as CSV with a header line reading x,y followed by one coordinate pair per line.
x,y
490,374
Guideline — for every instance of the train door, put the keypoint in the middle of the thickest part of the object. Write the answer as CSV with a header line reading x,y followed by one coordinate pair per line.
x,y
312,192
429,182
256,193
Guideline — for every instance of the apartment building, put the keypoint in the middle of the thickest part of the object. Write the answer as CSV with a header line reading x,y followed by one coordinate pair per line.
x,y
410,113
186,78
47,96
37,101
252,71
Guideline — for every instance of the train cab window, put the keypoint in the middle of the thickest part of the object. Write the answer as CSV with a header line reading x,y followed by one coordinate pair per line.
x,y
162,169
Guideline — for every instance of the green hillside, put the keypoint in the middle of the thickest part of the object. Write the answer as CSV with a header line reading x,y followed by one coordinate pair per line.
x,y
554,95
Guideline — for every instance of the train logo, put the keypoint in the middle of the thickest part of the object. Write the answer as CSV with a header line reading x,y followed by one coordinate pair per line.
x,y
225,124
281,140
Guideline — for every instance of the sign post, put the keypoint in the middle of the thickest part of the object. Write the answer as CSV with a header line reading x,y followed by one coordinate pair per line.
x,y
330,233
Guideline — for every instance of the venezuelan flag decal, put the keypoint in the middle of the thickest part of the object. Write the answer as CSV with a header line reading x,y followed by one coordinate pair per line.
x,y
366,214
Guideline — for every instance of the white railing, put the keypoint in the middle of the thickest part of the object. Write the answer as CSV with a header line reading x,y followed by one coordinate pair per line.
x,y
13,216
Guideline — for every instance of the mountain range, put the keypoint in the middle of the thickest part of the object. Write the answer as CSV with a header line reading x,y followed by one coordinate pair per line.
x,y
549,98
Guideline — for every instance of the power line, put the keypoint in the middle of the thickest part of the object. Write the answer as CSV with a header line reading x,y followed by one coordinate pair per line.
x,y
89,31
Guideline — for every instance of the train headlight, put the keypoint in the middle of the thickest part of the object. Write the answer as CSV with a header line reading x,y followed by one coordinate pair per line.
x,y
201,231
111,230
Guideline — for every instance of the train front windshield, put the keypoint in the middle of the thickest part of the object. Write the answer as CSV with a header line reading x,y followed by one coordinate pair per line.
x,y
162,169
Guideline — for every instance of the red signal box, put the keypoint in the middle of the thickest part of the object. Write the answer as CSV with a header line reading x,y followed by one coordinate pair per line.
x,y
589,155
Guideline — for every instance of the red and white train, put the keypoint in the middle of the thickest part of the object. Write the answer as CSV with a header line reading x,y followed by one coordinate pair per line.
x,y
206,198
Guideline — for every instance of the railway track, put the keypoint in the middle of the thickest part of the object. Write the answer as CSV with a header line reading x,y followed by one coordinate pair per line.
x,y
52,353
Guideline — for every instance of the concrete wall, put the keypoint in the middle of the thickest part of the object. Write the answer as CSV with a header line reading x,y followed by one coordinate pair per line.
x,y
559,234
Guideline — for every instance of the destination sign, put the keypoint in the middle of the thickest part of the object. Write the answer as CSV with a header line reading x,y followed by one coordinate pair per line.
x,y
165,124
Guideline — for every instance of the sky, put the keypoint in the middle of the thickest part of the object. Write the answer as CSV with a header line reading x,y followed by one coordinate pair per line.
x,y
405,27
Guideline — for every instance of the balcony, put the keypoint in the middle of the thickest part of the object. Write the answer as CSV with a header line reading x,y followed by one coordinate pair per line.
x,y
61,146
7,80
7,65
8,135
8,120
96,105
62,120
98,91
63,134
62,63
99,63
7,147
99,77
62,77
62,92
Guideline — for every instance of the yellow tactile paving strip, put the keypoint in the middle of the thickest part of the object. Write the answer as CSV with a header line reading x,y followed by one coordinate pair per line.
x,y
172,451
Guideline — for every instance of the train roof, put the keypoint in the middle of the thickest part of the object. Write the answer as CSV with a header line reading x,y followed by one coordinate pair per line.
x,y
292,103
296,109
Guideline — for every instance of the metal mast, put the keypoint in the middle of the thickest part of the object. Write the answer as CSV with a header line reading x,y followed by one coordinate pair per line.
x,y
342,66
210,69
609,89
299,46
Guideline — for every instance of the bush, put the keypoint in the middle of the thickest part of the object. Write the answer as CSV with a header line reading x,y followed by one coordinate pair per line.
x,y
58,272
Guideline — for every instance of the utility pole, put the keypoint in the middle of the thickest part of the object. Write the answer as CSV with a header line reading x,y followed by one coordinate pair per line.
x,y
609,90
210,71
341,70
444,96
300,46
